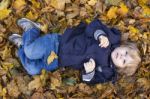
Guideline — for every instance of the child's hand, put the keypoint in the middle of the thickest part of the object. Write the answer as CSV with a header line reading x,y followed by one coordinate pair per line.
x,y
89,66
104,42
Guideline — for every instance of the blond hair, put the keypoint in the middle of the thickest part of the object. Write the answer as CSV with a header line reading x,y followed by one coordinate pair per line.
x,y
131,67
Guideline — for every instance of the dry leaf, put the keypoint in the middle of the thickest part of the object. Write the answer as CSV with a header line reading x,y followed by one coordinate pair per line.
x,y
19,5
58,4
4,13
92,2
123,10
112,12
4,4
35,84
35,3
112,2
144,82
13,89
51,57
85,89
31,15
55,80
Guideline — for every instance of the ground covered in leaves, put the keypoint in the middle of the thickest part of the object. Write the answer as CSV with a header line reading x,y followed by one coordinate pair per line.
x,y
131,17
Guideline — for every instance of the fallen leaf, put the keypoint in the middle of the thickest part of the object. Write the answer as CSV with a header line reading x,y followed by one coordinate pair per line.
x,y
4,13
51,57
144,82
112,12
55,80
35,84
3,91
13,89
72,11
4,4
112,2
19,5
123,10
85,89
35,3
58,4
92,2
31,15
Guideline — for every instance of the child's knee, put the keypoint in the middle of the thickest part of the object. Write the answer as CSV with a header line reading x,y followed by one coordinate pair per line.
x,y
31,53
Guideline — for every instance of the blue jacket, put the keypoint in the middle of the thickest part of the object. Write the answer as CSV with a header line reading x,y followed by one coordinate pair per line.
x,y
78,45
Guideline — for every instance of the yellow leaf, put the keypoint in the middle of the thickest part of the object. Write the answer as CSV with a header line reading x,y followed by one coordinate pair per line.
x,y
3,92
4,13
112,12
133,33
133,29
51,57
44,28
123,10
31,15
35,3
4,4
19,4
142,2
92,2
146,11
58,4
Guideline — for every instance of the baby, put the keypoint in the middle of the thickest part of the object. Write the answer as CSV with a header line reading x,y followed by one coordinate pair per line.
x,y
94,49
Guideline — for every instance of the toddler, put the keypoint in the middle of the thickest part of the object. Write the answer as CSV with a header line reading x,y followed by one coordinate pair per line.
x,y
94,49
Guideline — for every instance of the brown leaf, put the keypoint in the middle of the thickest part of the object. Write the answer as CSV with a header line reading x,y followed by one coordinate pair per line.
x,y
13,89
55,80
58,4
19,5
85,89
35,84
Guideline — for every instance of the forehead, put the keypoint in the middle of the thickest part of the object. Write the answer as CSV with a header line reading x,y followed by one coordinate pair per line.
x,y
123,48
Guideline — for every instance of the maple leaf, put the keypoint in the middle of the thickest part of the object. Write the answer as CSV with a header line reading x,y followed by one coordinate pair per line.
x,y
35,3
112,12
19,4
4,13
123,10
32,15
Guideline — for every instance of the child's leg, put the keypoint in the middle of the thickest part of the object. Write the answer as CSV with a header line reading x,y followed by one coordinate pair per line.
x,y
34,47
33,67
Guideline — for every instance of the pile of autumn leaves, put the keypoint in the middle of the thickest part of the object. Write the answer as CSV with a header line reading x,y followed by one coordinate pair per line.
x,y
131,18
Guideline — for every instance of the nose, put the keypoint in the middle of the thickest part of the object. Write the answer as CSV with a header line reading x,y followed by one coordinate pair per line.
x,y
122,56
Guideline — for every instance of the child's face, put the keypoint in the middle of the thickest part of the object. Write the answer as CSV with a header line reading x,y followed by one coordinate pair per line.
x,y
120,56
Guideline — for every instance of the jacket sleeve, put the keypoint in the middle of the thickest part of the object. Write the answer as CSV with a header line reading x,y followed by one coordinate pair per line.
x,y
99,75
113,34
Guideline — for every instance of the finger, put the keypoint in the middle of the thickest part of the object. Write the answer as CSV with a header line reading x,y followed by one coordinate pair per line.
x,y
93,62
102,43
105,44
